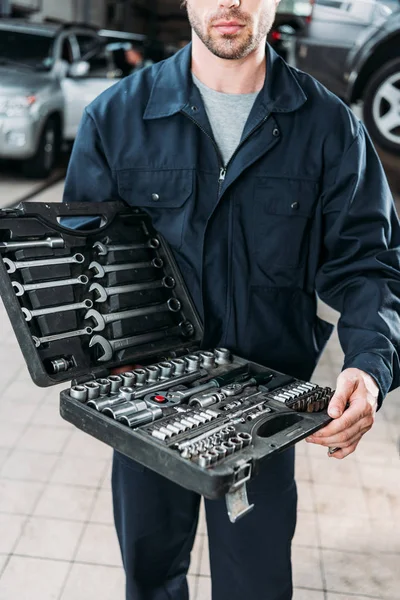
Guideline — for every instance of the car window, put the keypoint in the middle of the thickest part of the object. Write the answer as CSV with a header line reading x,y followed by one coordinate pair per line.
x,y
30,49
86,43
102,63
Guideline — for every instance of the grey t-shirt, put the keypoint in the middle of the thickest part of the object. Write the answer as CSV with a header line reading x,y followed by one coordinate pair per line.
x,y
228,114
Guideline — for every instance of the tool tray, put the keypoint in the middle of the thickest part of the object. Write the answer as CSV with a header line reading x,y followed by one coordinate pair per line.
x,y
92,287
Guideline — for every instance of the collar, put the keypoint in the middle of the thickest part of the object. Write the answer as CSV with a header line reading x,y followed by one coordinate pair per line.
x,y
173,84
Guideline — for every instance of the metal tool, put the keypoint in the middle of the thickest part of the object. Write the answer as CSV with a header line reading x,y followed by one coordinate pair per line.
x,y
60,365
103,270
102,320
104,249
142,418
128,378
233,389
207,360
141,377
222,356
228,447
61,336
205,460
237,443
210,432
103,293
118,410
179,366
166,369
153,373
79,392
193,362
12,266
109,347
162,385
216,382
105,386
21,289
49,242
245,438
116,383
93,389
30,314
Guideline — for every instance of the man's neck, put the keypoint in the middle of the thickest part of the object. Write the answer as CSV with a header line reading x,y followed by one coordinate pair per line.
x,y
243,76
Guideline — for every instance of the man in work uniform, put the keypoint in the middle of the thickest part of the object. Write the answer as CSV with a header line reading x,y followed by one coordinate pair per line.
x,y
269,191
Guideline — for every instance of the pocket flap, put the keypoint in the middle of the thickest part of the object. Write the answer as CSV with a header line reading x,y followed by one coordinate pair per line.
x,y
155,188
289,197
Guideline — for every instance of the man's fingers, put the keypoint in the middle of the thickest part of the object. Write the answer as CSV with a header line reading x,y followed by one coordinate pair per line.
x,y
345,438
343,452
346,385
351,416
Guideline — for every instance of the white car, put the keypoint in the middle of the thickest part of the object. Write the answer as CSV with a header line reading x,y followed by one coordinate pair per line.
x,y
48,75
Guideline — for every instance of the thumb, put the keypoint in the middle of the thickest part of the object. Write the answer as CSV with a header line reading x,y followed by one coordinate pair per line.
x,y
344,388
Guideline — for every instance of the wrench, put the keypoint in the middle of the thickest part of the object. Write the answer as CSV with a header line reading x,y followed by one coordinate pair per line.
x,y
21,289
61,336
104,249
109,347
102,270
104,292
102,321
49,242
29,314
13,266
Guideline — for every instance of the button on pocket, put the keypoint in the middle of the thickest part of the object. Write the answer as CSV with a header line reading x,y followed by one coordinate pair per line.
x,y
163,194
281,220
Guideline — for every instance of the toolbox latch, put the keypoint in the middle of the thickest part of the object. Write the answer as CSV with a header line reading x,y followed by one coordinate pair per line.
x,y
237,502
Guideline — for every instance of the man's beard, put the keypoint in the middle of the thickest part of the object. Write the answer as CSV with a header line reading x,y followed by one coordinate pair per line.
x,y
236,46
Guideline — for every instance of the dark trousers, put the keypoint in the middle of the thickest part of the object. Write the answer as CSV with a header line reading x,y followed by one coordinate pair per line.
x,y
156,523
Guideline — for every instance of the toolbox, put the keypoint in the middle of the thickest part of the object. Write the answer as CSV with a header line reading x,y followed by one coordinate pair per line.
x,y
90,288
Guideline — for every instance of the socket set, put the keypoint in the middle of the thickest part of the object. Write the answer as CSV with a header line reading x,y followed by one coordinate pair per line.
x,y
90,288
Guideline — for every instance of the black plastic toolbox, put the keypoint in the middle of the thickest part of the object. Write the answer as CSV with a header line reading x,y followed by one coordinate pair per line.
x,y
90,288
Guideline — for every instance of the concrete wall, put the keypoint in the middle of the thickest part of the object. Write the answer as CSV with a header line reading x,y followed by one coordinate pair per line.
x,y
88,11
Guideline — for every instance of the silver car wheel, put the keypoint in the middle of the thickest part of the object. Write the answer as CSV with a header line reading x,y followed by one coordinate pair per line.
x,y
386,108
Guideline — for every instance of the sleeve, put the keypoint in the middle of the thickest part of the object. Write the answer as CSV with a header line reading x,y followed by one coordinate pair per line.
x,y
89,176
359,272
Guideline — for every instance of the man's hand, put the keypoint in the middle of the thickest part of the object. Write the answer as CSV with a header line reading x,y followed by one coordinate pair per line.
x,y
360,391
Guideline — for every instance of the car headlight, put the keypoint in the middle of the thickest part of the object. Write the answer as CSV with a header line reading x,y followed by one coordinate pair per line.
x,y
16,106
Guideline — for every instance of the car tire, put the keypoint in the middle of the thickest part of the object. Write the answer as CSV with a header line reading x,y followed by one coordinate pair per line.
x,y
43,162
382,106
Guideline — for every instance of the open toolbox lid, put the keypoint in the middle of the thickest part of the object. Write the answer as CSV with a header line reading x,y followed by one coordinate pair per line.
x,y
91,253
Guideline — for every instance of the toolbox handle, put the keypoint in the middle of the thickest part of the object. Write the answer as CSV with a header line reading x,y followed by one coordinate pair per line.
x,y
87,213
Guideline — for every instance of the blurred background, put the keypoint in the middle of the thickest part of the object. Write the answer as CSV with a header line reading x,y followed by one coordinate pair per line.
x,y
57,540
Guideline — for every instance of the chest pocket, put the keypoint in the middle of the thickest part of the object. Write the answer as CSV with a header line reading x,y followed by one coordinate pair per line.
x,y
282,214
163,195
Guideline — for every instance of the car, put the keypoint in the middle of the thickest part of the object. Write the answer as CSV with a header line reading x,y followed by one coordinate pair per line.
x,y
353,48
48,74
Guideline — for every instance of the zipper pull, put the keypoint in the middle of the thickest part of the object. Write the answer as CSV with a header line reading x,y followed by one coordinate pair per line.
x,y
222,174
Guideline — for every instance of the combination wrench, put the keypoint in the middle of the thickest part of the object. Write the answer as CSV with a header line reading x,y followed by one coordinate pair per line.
x,y
12,266
102,270
103,293
104,249
20,289
109,347
49,242
30,314
61,336
172,305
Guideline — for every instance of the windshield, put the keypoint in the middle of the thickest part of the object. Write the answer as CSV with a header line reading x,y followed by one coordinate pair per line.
x,y
26,49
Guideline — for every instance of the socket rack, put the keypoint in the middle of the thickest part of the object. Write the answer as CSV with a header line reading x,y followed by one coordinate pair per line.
x,y
93,287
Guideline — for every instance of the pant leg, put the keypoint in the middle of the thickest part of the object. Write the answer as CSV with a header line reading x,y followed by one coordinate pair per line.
x,y
252,558
156,522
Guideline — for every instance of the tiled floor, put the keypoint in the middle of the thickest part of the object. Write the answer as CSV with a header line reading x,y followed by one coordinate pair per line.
x,y
57,540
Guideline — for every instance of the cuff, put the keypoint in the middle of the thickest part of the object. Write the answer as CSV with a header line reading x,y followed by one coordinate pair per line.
x,y
377,367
